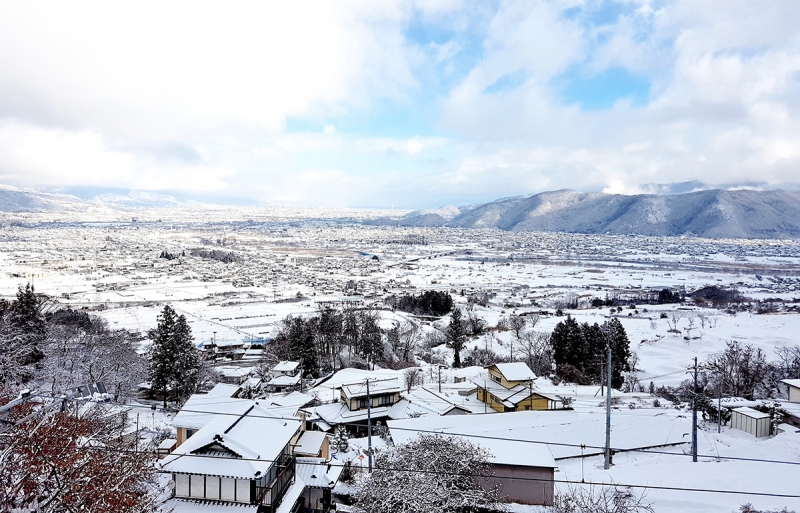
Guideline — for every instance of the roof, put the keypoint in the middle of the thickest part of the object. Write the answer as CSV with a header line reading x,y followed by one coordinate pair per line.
x,y
223,390
310,443
284,381
234,372
317,473
517,371
377,387
286,366
206,506
339,413
503,452
234,446
200,409
792,382
563,431
750,412
509,396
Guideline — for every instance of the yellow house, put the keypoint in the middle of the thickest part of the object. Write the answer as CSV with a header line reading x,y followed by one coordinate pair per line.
x,y
509,387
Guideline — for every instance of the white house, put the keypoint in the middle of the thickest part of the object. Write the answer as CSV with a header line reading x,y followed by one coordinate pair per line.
x,y
232,460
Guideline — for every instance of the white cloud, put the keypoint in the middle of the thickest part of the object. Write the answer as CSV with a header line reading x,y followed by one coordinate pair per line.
x,y
170,96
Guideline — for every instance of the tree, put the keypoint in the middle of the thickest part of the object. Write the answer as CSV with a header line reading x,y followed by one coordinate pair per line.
x,y
569,346
432,473
76,460
620,350
175,362
412,376
516,323
23,330
537,350
456,336
738,370
408,338
600,499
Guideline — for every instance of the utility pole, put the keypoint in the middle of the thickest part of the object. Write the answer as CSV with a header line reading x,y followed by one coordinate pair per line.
x,y
440,378
694,415
719,407
608,411
369,428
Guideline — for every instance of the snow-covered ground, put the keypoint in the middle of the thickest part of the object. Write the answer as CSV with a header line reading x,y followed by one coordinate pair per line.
x,y
113,269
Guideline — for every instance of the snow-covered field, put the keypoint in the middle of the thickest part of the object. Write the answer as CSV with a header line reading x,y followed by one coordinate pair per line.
x,y
114,269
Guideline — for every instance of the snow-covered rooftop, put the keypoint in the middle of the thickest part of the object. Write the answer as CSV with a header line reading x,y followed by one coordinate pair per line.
x,y
248,452
517,371
750,412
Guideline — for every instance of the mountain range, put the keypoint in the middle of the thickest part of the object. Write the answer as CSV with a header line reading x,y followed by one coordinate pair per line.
x,y
706,213
712,213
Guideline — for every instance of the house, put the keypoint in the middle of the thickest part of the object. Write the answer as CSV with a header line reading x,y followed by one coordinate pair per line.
x,y
225,348
751,421
352,409
524,470
234,375
231,461
792,408
794,389
509,387
284,375
319,478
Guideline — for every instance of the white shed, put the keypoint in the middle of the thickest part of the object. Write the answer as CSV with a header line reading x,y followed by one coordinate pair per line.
x,y
751,421
794,389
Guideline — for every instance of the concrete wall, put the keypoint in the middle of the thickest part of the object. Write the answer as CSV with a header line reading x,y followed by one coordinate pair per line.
x,y
525,485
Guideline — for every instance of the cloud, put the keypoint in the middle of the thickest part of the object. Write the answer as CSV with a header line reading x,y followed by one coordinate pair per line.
x,y
400,102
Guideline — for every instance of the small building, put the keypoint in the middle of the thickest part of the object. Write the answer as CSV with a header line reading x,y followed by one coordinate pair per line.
x,y
751,421
284,375
794,389
352,408
509,387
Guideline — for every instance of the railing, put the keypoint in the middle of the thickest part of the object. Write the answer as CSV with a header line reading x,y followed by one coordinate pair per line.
x,y
273,492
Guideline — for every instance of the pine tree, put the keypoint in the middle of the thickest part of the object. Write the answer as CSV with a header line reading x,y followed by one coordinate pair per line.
x,y
175,362
569,346
620,350
456,336
27,326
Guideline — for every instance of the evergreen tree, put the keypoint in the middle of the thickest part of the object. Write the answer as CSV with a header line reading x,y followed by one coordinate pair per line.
x,y
301,345
27,326
569,346
620,350
594,351
175,362
456,336
371,338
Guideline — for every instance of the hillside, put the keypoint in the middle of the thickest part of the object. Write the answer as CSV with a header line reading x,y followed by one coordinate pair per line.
x,y
711,213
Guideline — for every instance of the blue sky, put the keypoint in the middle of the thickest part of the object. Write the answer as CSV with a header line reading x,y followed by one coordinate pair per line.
x,y
399,103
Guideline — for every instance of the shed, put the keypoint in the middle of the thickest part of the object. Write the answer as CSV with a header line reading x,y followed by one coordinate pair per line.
x,y
794,389
751,421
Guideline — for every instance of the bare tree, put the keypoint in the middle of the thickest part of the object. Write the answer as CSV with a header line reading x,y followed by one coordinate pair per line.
x,y
516,323
537,351
739,370
412,377
600,499
409,337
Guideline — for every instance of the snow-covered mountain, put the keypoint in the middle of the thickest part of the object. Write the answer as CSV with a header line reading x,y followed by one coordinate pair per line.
x,y
709,213
13,199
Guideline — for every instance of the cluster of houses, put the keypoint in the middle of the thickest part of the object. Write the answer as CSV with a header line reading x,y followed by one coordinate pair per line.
x,y
274,454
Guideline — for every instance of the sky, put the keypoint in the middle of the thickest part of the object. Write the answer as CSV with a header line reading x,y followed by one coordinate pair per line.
x,y
396,103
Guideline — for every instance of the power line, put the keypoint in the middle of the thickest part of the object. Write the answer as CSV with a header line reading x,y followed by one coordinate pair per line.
x,y
467,474
488,437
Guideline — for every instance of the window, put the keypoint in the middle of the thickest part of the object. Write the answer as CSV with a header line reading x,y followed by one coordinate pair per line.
x,y
190,432
227,489
385,399
197,487
496,379
212,487
181,485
